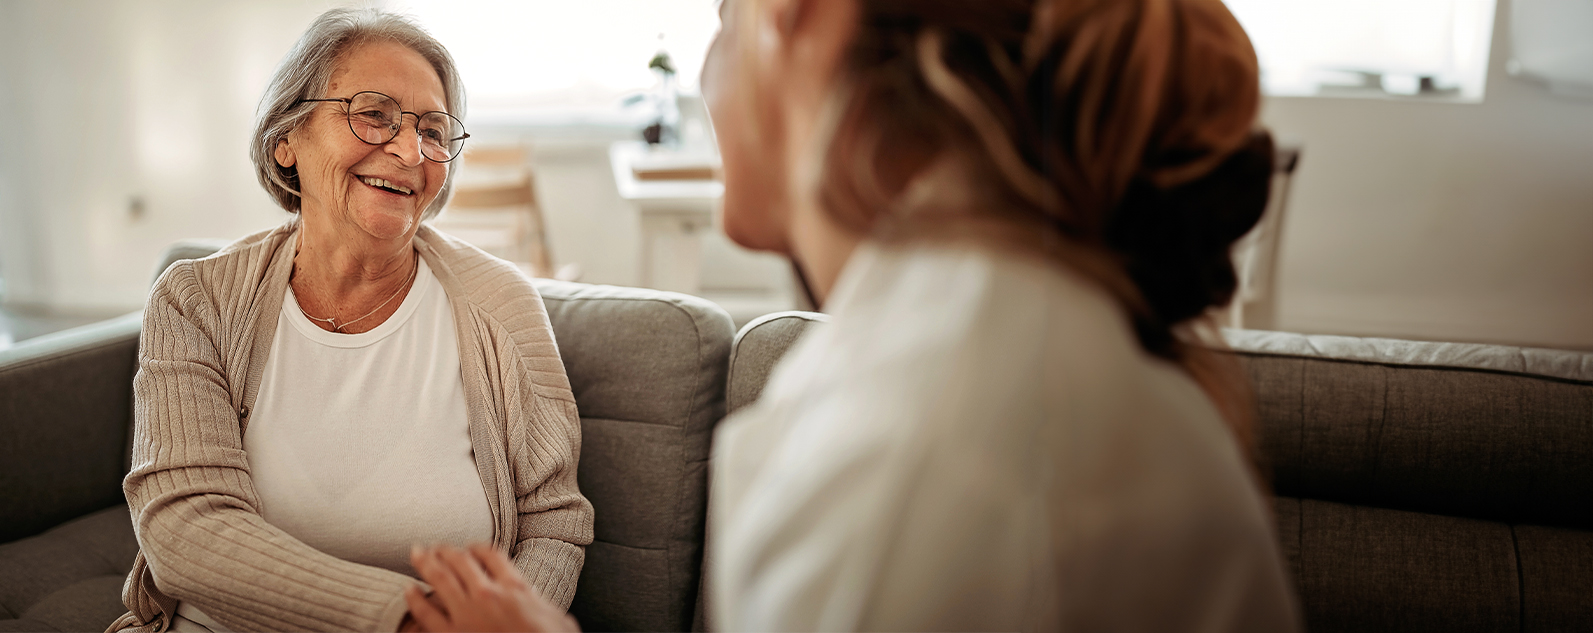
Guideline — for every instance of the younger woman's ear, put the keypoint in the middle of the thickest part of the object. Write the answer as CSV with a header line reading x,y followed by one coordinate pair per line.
x,y
807,37
791,19
284,154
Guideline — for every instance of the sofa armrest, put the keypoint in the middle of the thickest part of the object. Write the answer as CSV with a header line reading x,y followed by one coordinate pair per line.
x,y
758,347
65,409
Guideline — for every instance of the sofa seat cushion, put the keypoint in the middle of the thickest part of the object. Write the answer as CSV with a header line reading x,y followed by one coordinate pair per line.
x,y
1556,578
70,577
1375,569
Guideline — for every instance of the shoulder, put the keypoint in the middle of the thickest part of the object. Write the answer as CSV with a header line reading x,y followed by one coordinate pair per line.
x,y
986,354
490,283
963,331
229,277
500,298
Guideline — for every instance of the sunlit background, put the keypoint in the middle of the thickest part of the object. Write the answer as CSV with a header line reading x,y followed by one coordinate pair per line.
x,y
1443,189
587,55
1311,46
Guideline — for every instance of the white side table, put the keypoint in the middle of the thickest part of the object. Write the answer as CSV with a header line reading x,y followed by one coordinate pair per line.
x,y
674,216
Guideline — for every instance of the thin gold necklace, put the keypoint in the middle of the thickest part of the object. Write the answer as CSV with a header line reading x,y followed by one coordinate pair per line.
x,y
339,328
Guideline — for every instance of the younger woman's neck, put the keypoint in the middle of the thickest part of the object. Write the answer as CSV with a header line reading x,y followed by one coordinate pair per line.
x,y
821,247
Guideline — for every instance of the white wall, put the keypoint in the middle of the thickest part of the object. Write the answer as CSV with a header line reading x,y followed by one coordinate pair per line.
x,y
1442,221
154,100
115,100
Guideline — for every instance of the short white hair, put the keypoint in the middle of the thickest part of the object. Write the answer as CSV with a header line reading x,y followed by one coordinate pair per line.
x,y
308,68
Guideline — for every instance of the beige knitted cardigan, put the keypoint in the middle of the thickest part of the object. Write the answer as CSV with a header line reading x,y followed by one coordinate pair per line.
x,y
207,332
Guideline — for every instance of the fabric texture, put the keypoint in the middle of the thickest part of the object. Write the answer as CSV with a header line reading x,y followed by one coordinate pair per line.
x,y
758,348
1361,568
192,248
58,390
1556,578
648,368
207,331
359,444
68,578
977,442
1428,486
1459,441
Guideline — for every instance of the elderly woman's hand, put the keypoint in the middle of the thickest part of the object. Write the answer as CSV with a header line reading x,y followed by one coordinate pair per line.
x,y
478,590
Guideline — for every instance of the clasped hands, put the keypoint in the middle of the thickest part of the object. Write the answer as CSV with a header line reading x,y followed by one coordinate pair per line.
x,y
477,589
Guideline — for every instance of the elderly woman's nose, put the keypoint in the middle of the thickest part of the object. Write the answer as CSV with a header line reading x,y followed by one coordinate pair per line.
x,y
406,146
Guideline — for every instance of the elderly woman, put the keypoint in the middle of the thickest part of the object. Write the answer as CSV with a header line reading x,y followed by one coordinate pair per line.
x,y
1016,212
315,400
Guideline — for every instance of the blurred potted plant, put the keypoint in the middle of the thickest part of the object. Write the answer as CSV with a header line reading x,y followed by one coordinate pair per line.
x,y
665,129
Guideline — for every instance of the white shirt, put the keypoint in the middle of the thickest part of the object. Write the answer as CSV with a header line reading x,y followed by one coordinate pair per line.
x,y
358,444
977,442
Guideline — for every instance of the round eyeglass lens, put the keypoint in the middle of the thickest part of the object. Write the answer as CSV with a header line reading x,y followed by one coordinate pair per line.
x,y
441,136
374,117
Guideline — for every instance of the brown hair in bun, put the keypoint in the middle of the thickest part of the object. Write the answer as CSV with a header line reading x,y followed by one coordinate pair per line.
x,y
1120,132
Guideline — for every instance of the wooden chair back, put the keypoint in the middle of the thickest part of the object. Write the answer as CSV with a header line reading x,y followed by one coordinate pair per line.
x,y
495,205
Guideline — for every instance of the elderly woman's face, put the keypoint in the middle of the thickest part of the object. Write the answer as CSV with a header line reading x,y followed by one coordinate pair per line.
x,y
340,175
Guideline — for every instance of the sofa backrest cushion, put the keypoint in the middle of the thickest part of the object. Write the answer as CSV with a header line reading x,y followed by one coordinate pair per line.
x,y
1477,431
648,371
65,402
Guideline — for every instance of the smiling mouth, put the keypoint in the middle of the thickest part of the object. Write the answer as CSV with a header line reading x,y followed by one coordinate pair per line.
x,y
386,186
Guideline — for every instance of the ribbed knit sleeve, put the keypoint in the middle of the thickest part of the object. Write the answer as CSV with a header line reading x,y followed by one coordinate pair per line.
x,y
194,506
554,521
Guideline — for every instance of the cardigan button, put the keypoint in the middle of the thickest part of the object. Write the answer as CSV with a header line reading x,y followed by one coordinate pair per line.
x,y
243,414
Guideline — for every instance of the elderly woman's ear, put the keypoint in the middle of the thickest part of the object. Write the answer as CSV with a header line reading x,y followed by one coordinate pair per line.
x,y
284,154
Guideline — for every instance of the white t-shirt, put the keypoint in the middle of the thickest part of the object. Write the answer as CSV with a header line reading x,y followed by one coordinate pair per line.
x,y
359,444
977,442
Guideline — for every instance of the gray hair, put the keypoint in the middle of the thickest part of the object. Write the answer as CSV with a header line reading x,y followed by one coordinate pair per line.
x,y
305,73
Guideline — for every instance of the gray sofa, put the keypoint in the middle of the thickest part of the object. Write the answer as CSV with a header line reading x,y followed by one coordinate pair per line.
x,y
1421,487
647,368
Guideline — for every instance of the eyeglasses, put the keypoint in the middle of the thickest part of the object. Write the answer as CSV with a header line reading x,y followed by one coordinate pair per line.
x,y
376,119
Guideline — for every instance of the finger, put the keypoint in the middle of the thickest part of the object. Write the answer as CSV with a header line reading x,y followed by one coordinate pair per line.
x,y
496,564
424,612
464,566
432,569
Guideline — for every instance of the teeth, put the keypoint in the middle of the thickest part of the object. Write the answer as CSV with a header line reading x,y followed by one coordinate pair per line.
x,y
379,182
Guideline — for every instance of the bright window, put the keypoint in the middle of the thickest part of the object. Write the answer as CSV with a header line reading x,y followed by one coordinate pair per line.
x,y
570,60
575,60
1405,48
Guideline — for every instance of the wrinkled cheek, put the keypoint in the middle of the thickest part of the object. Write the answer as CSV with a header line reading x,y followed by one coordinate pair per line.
x,y
433,191
321,182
